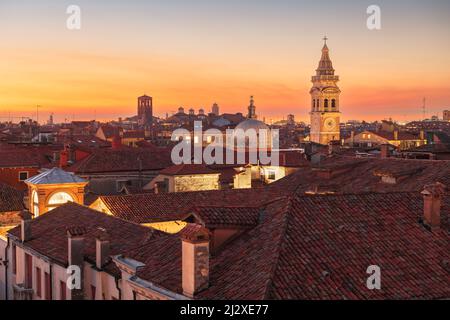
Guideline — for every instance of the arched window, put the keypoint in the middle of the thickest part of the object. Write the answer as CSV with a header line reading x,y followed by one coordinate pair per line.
x,y
35,201
58,199
333,104
326,105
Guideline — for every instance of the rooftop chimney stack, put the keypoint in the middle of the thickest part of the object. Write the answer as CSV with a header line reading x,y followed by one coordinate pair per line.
x,y
25,226
195,259
102,246
75,240
385,153
116,142
432,197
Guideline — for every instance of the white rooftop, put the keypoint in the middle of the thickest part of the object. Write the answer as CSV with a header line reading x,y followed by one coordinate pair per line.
x,y
55,176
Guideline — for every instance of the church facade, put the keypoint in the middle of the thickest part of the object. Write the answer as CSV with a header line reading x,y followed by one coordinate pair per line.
x,y
325,115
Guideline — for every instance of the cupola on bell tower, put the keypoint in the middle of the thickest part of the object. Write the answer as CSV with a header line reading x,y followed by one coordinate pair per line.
x,y
325,115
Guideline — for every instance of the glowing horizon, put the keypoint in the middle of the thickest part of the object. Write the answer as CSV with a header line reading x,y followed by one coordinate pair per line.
x,y
195,53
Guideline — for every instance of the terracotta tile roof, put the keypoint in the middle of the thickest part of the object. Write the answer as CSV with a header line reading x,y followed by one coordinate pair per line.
x,y
148,208
352,175
187,169
23,157
219,216
122,160
49,233
10,199
319,247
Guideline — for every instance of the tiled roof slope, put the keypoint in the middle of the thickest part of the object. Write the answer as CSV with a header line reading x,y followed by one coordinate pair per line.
x,y
10,199
147,208
352,175
319,247
217,216
122,160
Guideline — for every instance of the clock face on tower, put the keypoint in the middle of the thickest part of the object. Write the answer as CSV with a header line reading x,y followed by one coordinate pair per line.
x,y
330,124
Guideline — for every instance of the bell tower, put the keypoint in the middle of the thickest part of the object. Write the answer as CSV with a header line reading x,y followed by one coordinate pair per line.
x,y
325,115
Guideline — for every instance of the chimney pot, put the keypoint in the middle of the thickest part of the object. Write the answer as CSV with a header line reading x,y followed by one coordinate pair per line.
x,y
195,259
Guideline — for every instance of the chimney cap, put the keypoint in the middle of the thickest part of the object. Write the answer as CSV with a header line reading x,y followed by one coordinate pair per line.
x,y
76,231
101,234
436,189
195,233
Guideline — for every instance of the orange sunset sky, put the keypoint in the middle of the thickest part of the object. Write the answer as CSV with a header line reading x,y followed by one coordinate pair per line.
x,y
193,53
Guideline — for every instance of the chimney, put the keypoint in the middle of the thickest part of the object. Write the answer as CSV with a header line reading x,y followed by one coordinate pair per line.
x,y
395,134
422,135
432,197
195,259
116,142
385,153
64,158
156,188
352,138
25,226
333,146
102,246
75,241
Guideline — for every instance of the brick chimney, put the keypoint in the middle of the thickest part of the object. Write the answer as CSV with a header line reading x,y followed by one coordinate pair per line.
x,y
25,226
195,259
385,153
395,134
116,142
64,158
432,198
102,246
75,241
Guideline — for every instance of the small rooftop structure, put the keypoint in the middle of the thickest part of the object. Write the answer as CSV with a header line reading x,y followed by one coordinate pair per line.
x,y
54,176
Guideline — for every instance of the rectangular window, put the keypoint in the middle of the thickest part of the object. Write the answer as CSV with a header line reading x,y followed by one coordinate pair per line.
x,y
38,282
271,175
14,259
62,290
48,286
23,175
28,271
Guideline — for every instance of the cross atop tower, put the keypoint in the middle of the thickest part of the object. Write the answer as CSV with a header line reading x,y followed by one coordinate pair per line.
x,y
325,39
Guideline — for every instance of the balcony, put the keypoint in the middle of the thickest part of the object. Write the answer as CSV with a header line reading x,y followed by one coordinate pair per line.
x,y
22,293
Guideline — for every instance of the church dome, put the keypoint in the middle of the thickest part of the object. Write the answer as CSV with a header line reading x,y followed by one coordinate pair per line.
x,y
252,124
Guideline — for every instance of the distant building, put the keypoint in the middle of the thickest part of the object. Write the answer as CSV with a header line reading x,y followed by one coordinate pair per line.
x,y
145,110
325,115
446,115
252,109
215,109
